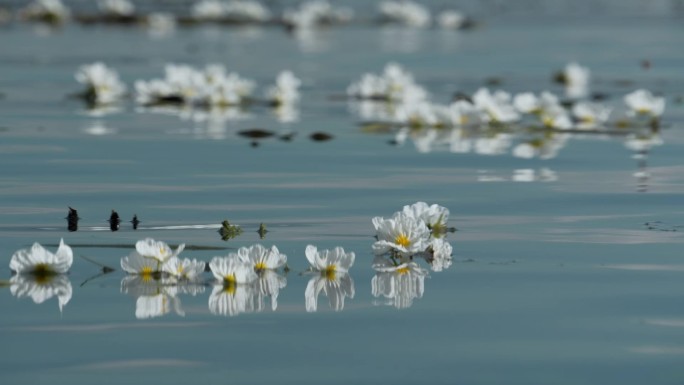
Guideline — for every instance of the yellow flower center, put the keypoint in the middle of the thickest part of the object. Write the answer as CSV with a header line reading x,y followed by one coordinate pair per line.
x,y
402,240
403,270
260,266
42,269
146,273
229,284
330,272
464,120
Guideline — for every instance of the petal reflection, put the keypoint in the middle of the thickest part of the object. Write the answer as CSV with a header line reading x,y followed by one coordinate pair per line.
x,y
155,297
231,299
400,286
335,286
42,288
268,285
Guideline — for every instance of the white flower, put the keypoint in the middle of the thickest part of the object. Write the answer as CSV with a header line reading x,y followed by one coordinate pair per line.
x,y
400,285
556,118
401,234
329,261
261,258
286,89
184,269
406,12
246,10
207,10
395,84
497,107
451,19
545,148
51,11
529,103
232,270
463,113
434,216
42,288
590,115
335,287
576,79
103,84
149,248
38,261
312,13
643,102
117,7
439,254
137,264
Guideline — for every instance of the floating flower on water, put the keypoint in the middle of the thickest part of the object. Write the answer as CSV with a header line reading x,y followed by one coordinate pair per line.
x,y
406,12
496,107
40,262
329,262
402,235
462,113
261,258
451,19
556,117
185,269
643,102
438,254
529,103
336,287
102,83
232,270
246,10
317,12
40,288
395,84
149,248
286,89
576,80
146,267
590,115
117,7
49,11
207,10
398,284
434,216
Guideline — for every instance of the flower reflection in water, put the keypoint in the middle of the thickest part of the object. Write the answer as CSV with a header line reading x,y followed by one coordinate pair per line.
x,y
233,298
268,284
42,287
156,296
399,285
336,287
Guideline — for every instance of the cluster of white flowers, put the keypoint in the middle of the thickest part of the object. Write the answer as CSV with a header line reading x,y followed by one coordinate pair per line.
x,y
237,10
316,12
415,15
102,83
119,8
489,107
41,274
395,84
418,231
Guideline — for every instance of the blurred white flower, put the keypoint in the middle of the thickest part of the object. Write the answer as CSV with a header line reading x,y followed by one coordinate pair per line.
x,y
40,262
496,107
576,79
316,12
286,89
406,12
590,115
451,19
208,10
401,234
116,7
643,102
102,83
50,11
394,84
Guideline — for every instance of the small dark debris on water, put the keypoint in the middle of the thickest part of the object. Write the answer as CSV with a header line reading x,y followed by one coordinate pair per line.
x,y
494,81
229,231
288,137
461,96
662,226
254,143
256,133
114,221
262,231
135,221
72,220
320,137
599,96
646,64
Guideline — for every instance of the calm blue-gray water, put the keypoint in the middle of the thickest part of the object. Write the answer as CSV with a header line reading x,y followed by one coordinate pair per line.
x,y
567,268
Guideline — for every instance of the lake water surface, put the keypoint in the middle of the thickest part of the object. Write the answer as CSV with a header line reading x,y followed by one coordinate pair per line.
x,y
557,277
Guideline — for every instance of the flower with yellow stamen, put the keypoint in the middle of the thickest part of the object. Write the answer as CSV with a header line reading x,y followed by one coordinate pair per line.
x,y
402,234
40,262
261,258
158,250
